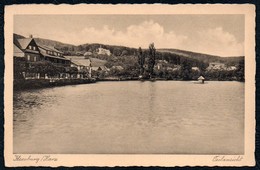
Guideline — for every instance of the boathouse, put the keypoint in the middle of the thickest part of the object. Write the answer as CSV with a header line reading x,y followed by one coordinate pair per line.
x,y
201,79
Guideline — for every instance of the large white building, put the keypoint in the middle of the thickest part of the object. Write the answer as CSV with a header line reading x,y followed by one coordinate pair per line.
x,y
216,66
102,51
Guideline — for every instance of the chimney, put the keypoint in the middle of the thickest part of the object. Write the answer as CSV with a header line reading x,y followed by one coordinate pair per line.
x,y
30,36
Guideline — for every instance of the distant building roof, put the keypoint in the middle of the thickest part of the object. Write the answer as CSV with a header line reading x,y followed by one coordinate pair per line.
x,y
162,61
103,67
81,62
87,53
97,62
216,63
201,78
118,67
195,68
74,57
231,68
95,68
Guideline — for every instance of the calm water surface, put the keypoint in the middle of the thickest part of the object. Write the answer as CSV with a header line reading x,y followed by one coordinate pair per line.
x,y
131,117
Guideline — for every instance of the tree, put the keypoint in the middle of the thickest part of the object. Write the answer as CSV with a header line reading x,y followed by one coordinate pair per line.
x,y
116,51
124,53
151,60
186,69
45,67
240,72
80,48
19,67
141,59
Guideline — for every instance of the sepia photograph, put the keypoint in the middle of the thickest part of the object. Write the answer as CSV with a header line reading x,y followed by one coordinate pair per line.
x,y
129,84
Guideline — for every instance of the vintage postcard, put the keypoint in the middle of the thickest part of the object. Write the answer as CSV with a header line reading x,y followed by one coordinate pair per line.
x,y
129,85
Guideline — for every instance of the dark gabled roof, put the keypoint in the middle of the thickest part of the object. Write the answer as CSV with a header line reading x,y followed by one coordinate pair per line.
x,y
21,45
49,48
17,52
43,52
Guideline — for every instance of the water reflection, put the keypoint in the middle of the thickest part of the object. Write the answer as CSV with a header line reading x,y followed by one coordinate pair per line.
x,y
131,117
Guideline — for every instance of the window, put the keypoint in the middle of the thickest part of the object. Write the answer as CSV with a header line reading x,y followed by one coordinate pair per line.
x,y
34,58
30,47
34,48
28,57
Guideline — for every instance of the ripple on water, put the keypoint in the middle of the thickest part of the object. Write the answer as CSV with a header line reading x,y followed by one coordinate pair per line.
x,y
131,117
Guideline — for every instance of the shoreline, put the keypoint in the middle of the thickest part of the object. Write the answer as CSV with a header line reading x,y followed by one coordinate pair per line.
x,y
157,79
27,84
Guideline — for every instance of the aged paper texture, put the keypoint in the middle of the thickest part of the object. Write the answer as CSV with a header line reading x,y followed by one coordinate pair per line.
x,y
49,128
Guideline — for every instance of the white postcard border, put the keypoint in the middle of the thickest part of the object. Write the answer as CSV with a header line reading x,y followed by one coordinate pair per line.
x,y
168,160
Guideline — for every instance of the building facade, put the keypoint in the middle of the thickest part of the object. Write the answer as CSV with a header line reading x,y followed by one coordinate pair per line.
x,y
53,55
27,49
102,51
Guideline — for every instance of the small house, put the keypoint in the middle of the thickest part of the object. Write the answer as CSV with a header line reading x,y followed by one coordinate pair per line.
x,y
195,69
118,67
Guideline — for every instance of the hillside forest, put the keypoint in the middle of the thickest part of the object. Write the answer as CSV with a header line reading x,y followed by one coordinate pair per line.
x,y
167,64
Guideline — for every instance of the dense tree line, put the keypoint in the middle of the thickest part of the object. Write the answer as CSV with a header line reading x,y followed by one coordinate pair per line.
x,y
134,66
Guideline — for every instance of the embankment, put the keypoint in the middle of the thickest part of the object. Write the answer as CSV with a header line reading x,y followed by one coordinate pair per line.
x,y
23,84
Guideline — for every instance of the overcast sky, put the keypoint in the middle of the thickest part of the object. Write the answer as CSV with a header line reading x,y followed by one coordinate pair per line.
x,y
221,35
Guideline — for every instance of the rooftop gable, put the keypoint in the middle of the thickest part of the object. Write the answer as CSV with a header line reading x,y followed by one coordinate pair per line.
x,y
23,43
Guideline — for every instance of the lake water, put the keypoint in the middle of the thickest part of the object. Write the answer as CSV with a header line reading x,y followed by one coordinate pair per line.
x,y
170,117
